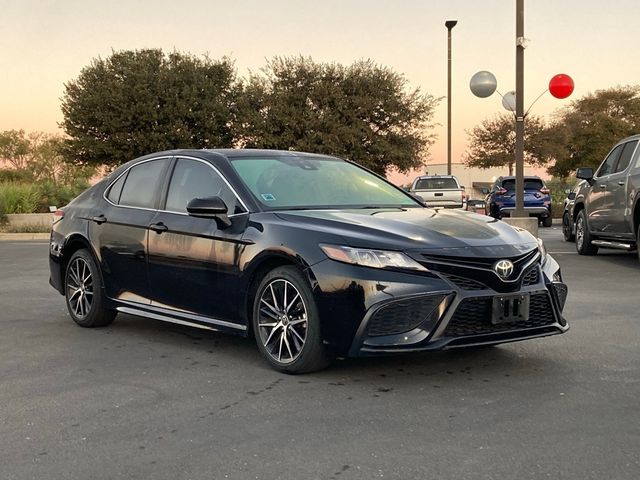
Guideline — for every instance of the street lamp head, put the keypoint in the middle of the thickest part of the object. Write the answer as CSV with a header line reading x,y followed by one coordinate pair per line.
x,y
450,24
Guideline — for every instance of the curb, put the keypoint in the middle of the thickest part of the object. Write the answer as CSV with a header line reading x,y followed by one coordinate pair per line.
x,y
23,236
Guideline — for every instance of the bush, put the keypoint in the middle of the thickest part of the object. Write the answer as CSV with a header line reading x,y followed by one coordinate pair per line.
x,y
13,175
18,198
59,195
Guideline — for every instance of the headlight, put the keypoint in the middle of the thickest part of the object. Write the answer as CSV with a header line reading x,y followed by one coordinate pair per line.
x,y
371,258
542,250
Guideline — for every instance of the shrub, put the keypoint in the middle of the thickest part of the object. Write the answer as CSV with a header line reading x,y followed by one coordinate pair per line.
x,y
59,195
18,198
13,175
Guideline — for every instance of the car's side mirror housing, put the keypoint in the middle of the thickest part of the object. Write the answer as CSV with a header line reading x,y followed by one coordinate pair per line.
x,y
585,173
571,195
210,207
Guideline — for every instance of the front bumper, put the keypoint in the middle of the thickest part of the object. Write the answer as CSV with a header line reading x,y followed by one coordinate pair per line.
x,y
401,312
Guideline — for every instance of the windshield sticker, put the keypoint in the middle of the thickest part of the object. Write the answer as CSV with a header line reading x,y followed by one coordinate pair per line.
x,y
267,197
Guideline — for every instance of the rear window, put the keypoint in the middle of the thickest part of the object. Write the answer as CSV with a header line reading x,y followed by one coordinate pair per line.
x,y
529,184
436,184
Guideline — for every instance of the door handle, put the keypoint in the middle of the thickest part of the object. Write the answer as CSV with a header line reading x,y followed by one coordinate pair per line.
x,y
158,227
603,186
99,219
621,183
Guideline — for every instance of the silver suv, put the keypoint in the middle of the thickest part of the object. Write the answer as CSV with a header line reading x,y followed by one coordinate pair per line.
x,y
606,212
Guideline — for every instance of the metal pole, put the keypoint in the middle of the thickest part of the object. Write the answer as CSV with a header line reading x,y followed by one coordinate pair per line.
x,y
519,153
449,24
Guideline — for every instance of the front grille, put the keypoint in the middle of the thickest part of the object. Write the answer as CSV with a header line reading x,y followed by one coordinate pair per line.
x,y
479,262
473,317
531,277
465,283
402,316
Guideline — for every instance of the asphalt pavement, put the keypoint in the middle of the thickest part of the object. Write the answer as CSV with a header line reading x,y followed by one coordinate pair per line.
x,y
142,399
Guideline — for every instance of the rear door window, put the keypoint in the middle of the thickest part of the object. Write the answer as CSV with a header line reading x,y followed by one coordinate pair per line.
x,y
143,183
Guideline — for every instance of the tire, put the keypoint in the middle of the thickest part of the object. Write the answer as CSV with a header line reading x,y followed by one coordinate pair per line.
x,y
288,336
567,228
547,222
583,237
638,241
83,292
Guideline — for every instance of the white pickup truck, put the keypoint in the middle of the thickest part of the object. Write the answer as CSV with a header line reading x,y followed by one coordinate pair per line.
x,y
440,191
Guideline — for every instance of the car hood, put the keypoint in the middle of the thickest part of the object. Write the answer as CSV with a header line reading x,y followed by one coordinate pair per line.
x,y
413,230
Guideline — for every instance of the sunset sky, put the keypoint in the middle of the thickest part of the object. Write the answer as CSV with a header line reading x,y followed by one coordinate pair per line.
x,y
44,44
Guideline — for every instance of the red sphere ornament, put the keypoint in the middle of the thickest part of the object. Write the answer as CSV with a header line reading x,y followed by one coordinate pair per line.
x,y
561,85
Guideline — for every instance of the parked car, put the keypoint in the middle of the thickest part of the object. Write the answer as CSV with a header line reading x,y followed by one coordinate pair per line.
x,y
314,256
606,211
440,191
501,200
567,207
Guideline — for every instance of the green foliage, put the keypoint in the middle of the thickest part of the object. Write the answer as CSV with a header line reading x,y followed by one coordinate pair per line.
x,y
136,102
13,175
14,147
585,132
363,112
18,198
493,142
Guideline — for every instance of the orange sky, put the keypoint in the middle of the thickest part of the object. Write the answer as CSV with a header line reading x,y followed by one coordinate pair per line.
x,y
45,43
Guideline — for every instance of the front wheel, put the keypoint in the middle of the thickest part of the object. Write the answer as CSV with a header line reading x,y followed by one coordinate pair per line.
x,y
567,228
583,237
286,323
83,292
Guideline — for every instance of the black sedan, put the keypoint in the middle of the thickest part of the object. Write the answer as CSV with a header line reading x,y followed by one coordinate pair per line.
x,y
314,256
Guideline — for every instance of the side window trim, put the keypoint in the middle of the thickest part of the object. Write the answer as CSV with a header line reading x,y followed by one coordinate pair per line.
x,y
224,179
126,172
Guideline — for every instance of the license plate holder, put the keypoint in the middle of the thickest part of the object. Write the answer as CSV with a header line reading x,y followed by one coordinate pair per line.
x,y
510,308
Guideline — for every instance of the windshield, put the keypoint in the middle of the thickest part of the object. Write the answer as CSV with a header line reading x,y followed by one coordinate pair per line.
x,y
436,184
316,182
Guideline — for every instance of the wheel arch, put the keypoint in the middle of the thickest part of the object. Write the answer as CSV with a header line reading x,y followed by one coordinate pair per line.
x,y
72,244
258,269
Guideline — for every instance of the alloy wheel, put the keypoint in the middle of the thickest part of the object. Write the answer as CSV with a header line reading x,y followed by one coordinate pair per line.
x,y
282,321
80,287
580,232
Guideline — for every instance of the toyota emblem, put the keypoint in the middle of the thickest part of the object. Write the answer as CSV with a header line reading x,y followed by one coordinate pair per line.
x,y
504,268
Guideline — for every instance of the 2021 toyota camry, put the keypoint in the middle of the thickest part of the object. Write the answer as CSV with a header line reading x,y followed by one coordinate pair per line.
x,y
314,256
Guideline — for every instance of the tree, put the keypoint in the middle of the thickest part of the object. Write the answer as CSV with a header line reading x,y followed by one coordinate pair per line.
x,y
363,112
493,143
14,148
137,102
586,131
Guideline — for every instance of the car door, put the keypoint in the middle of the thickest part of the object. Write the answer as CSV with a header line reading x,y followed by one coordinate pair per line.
x,y
615,198
119,230
193,263
596,204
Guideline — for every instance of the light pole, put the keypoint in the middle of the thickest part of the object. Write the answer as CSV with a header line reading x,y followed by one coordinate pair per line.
x,y
449,24
520,46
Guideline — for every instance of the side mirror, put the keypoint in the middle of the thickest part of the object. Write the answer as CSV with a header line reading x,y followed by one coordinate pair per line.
x,y
418,199
571,195
209,207
585,173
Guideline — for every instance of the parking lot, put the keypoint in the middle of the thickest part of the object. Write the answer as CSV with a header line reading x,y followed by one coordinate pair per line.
x,y
144,399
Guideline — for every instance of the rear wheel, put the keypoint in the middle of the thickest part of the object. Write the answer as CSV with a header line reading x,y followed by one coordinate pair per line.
x,y
583,237
547,221
567,228
83,292
286,323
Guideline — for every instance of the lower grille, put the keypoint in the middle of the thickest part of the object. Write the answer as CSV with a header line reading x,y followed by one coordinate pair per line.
x,y
402,316
561,292
473,317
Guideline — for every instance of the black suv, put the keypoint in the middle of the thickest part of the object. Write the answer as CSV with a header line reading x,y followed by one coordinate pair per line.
x,y
606,212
